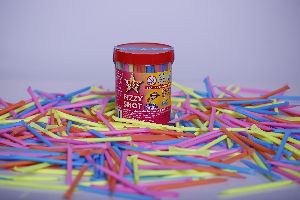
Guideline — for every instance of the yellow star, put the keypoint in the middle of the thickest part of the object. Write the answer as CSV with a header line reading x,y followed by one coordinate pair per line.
x,y
133,84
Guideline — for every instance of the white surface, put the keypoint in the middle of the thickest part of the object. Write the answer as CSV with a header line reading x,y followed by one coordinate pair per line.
x,y
209,192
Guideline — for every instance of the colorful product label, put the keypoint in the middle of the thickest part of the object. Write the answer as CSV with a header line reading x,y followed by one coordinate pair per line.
x,y
144,96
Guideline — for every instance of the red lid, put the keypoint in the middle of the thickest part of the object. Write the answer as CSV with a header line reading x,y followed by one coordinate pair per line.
x,y
143,53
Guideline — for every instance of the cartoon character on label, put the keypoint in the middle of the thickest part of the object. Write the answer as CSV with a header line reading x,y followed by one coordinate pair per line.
x,y
162,78
166,92
150,101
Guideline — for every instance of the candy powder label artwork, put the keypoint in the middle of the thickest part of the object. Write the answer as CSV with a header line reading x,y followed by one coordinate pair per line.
x,y
144,96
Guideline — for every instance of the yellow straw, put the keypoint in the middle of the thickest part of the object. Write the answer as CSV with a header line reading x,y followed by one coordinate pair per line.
x,y
28,184
255,129
38,127
136,175
61,172
30,178
199,152
107,139
214,142
255,188
258,161
177,153
190,92
49,133
32,168
77,119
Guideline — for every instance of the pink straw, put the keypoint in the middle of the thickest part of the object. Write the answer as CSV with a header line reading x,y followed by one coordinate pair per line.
x,y
228,92
145,157
104,104
283,125
223,153
159,167
199,139
291,112
69,165
80,104
293,167
37,103
8,143
177,108
12,138
211,88
123,163
236,121
197,112
133,130
46,107
212,118
286,174
104,120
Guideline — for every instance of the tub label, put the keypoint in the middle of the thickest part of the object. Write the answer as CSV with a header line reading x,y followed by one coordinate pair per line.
x,y
144,96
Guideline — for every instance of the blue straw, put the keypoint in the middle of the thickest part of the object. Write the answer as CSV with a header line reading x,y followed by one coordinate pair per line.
x,y
261,170
283,141
293,162
70,95
209,93
248,114
68,127
29,150
261,111
261,142
284,151
276,105
38,159
37,134
5,126
121,146
289,98
249,101
96,133
167,142
285,130
202,94
42,124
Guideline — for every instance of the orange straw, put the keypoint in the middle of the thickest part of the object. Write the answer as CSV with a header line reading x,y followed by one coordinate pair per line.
x,y
232,136
12,107
186,184
279,90
235,158
171,133
69,192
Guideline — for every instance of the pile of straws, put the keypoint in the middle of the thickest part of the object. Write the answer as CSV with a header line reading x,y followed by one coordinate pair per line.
x,y
73,142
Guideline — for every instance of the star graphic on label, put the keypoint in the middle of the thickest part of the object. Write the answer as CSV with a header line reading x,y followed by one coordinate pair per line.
x,y
133,84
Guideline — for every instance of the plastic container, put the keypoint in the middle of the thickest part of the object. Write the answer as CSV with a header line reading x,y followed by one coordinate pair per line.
x,y
143,81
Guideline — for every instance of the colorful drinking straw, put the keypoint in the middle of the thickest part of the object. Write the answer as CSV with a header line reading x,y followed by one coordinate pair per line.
x,y
212,136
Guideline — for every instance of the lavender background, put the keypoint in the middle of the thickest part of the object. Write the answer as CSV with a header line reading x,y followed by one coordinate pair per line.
x,y
64,45
61,46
